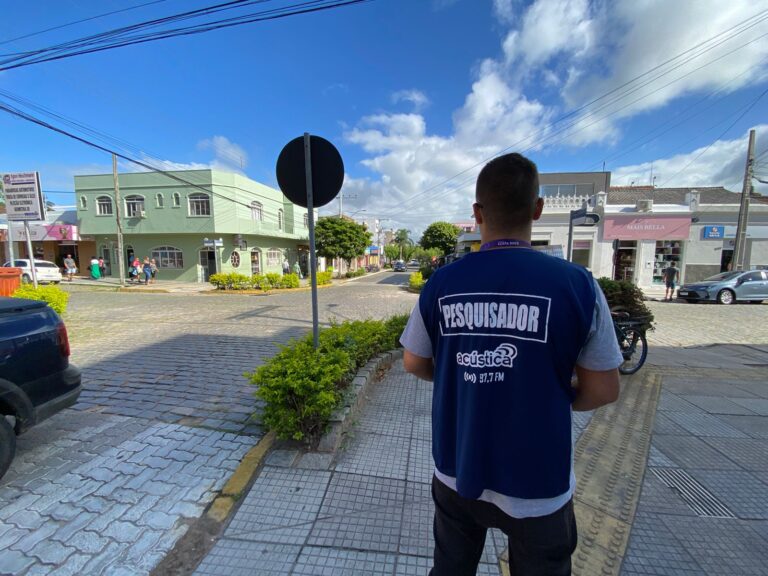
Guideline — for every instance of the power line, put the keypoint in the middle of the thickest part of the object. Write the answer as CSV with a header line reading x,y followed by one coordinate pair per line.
x,y
92,45
744,113
68,24
25,116
737,29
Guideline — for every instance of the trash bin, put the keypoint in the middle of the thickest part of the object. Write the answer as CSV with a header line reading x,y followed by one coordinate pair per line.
x,y
10,279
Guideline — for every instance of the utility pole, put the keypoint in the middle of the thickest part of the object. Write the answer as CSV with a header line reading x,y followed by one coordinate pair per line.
x,y
740,247
120,254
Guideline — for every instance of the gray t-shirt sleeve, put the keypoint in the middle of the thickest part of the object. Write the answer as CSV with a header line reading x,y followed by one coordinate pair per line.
x,y
415,338
601,351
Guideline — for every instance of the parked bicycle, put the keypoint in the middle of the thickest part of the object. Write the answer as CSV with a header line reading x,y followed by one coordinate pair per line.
x,y
632,342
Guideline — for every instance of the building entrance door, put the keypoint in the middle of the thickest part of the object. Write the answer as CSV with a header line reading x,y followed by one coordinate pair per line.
x,y
624,263
725,260
208,263
106,254
255,262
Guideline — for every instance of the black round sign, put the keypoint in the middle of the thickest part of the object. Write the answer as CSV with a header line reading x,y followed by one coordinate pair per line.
x,y
327,171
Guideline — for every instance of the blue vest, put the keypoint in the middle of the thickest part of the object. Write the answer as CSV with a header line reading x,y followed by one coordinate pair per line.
x,y
507,327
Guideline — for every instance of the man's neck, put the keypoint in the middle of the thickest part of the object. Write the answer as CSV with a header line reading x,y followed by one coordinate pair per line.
x,y
517,234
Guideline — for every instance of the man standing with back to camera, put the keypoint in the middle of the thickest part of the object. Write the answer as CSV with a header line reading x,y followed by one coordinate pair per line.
x,y
501,332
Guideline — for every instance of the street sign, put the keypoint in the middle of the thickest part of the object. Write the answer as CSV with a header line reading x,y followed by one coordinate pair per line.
x,y
23,197
587,220
216,243
327,169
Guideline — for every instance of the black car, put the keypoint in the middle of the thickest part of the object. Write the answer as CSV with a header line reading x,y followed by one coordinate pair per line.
x,y
400,266
36,378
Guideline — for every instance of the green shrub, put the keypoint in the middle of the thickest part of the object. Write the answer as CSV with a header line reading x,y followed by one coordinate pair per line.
x,y
416,281
54,296
301,387
355,273
289,281
626,296
426,271
324,277
273,279
231,281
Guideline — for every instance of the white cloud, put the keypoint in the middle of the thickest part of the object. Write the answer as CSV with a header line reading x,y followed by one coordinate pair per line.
x,y
227,154
718,164
556,56
415,97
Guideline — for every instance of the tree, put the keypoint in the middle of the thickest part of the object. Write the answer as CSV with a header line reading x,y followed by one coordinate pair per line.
x,y
392,252
425,256
440,235
341,238
401,237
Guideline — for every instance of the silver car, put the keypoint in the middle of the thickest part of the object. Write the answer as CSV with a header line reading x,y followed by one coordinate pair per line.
x,y
728,288
46,271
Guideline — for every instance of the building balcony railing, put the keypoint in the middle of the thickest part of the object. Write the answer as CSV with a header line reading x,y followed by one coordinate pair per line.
x,y
569,202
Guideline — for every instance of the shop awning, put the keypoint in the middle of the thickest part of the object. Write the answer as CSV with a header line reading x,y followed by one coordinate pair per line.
x,y
631,227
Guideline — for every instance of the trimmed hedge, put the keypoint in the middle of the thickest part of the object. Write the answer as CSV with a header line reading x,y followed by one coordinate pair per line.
x,y
324,278
54,296
269,281
302,387
355,273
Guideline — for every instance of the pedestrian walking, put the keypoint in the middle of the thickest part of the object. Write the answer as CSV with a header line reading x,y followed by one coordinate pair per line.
x,y
671,274
70,267
500,332
102,268
146,268
153,268
297,270
286,267
94,268
134,270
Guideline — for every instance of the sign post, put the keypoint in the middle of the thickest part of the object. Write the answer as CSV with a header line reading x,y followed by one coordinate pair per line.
x,y
579,217
24,202
310,172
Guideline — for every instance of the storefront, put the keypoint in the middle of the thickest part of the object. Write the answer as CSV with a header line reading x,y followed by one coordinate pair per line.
x,y
643,246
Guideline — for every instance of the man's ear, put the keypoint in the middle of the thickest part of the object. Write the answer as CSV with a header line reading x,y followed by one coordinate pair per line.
x,y
478,214
539,208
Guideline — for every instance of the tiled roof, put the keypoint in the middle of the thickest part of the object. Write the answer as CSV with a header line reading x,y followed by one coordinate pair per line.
x,y
708,195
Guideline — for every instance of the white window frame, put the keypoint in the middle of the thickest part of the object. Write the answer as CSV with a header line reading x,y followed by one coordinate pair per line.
x,y
104,206
136,203
176,200
83,203
159,200
257,211
306,220
280,219
168,257
274,257
200,201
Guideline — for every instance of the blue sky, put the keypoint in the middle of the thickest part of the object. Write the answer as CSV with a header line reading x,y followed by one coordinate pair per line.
x,y
412,92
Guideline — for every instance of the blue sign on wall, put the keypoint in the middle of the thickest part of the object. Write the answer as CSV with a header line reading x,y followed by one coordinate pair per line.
x,y
714,232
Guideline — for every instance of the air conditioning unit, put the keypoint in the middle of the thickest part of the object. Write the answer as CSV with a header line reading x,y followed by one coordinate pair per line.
x,y
142,214
644,205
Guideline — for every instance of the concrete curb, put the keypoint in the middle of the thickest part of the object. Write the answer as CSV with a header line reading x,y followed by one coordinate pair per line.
x,y
221,507
342,419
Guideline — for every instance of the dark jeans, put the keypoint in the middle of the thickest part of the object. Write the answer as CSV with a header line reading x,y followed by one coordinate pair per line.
x,y
539,546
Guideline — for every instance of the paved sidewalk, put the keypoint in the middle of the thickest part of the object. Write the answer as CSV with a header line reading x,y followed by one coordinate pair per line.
x,y
368,513
704,508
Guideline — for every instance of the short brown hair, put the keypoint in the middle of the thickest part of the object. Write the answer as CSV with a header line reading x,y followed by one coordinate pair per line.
x,y
507,190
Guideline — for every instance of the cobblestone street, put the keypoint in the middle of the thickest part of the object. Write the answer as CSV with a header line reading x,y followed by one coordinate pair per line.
x,y
110,485
107,486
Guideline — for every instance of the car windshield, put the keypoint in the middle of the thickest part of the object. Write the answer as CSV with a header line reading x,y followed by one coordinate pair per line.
x,y
722,276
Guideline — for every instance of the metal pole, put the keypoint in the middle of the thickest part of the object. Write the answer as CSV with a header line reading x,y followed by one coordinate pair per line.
x,y
31,255
311,221
11,255
570,235
120,253
740,247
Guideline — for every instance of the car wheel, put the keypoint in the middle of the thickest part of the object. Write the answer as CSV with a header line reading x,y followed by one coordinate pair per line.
x,y
7,445
25,279
725,297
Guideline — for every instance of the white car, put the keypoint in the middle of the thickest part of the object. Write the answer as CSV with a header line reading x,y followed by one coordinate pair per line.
x,y
46,271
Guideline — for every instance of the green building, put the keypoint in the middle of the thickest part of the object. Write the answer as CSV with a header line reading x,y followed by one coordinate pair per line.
x,y
194,223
